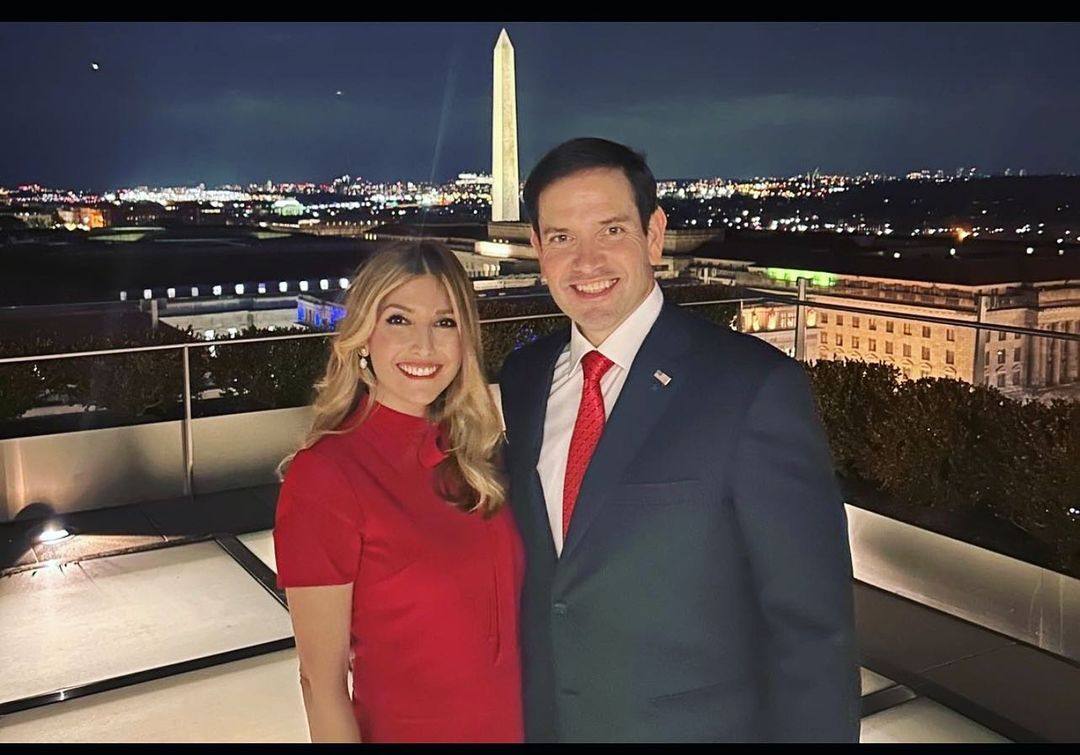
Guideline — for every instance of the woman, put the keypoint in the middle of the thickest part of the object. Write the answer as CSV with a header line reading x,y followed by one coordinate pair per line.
x,y
392,538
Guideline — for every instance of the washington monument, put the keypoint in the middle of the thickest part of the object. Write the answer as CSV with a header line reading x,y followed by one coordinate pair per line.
x,y
504,150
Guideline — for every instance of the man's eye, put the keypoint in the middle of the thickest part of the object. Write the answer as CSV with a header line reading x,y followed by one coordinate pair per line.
x,y
614,230
559,238
447,322
396,320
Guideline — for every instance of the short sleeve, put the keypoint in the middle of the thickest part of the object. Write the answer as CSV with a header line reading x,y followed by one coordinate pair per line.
x,y
317,527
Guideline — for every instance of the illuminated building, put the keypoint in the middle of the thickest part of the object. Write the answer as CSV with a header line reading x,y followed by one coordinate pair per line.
x,y
995,283
83,218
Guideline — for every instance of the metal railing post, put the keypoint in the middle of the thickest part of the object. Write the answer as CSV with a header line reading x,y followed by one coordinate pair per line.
x,y
188,440
981,339
800,323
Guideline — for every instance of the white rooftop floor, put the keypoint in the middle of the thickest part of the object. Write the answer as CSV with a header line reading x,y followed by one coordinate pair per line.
x,y
253,700
112,616
924,721
106,617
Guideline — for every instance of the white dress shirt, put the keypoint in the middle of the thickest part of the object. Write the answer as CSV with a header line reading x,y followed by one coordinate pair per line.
x,y
566,385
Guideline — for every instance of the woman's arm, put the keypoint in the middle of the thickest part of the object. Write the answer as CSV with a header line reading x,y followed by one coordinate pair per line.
x,y
321,618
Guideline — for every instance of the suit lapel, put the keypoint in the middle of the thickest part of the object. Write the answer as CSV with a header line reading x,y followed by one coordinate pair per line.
x,y
533,410
641,403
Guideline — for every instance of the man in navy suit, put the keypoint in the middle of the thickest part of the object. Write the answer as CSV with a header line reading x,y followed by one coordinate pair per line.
x,y
688,575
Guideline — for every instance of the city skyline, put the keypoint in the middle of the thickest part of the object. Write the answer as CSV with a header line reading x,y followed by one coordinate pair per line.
x,y
106,105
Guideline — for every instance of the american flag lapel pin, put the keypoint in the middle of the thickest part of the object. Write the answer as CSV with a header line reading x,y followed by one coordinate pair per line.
x,y
662,377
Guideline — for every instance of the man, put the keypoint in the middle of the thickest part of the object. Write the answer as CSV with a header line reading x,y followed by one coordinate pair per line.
x,y
688,571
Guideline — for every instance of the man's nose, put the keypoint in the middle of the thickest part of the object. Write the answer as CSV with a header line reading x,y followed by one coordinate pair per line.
x,y
589,256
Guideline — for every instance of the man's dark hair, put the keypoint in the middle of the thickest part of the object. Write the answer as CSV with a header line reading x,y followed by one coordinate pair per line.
x,y
584,154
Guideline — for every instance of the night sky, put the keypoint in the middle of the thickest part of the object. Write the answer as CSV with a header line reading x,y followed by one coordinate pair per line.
x,y
233,103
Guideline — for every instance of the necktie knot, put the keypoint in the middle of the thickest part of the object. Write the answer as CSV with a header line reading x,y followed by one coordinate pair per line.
x,y
595,365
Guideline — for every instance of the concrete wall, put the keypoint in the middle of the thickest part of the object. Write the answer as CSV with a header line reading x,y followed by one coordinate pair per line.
x,y
1026,602
114,466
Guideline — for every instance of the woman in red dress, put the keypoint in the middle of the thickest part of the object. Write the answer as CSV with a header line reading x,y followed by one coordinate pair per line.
x,y
394,545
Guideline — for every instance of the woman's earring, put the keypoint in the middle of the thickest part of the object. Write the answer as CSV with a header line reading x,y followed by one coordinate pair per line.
x,y
363,358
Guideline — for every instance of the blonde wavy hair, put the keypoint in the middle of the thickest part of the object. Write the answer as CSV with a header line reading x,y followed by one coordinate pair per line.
x,y
470,476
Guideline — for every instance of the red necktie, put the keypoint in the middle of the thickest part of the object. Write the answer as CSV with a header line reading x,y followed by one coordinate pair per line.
x,y
588,427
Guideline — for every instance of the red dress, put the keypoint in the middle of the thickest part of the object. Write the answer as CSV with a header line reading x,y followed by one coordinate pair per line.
x,y
435,590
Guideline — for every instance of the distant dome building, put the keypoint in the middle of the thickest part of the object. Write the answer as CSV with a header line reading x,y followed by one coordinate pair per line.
x,y
288,208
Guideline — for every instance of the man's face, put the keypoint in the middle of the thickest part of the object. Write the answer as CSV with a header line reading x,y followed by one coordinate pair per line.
x,y
593,251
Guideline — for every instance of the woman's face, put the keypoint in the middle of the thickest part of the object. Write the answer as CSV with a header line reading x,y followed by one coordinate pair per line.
x,y
415,348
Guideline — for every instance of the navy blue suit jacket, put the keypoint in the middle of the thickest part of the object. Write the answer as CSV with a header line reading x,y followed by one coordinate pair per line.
x,y
704,589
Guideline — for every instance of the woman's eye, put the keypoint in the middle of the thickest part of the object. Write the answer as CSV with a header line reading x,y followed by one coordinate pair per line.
x,y
396,320
447,322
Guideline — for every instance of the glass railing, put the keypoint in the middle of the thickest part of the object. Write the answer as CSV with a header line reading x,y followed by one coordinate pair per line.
x,y
967,428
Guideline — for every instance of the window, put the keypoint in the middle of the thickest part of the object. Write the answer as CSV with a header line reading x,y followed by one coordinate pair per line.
x,y
924,373
925,331
950,357
907,349
926,353
1001,335
888,326
907,328
1016,336
907,373
839,319
1016,377
855,321
873,324
873,344
854,342
888,347
839,339
1001,380
950,334
1016,355
824,338
824,318
1001,356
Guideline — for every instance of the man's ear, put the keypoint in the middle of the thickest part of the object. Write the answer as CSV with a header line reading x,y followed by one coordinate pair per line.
x,y
534,241
655,239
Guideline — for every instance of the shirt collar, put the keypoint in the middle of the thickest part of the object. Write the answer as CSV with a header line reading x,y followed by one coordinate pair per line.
x,y
622,345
